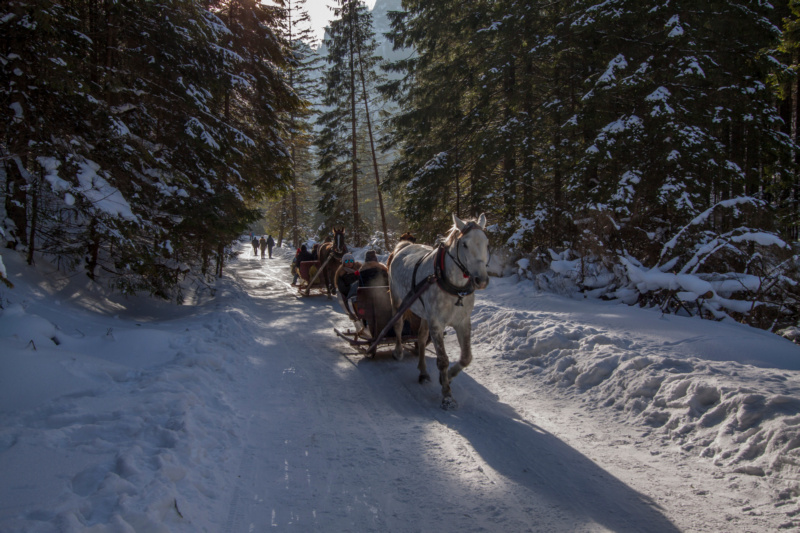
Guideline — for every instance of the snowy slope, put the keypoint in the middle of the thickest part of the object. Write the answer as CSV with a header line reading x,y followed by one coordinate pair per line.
x,y
243,412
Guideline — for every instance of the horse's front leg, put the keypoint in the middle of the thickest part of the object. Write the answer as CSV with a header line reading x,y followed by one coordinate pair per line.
x,y
442,363
328,283
422,340
463,333
332,287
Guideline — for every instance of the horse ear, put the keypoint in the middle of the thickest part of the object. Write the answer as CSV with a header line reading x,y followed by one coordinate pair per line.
x,y
458,222
482,221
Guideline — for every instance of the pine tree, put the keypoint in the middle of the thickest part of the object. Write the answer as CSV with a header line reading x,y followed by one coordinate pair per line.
x,y
143,130
596,125
351,61
434,130
303,73
676,123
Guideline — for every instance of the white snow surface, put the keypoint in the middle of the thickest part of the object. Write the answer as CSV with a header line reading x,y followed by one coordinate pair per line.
x,y
242,411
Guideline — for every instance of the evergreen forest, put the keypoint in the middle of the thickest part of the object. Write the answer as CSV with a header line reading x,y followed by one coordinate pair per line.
x,y
623,138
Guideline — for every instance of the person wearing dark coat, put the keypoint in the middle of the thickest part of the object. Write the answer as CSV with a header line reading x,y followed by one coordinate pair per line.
x,y
270,244
255,245
347,281
305,255
373,273
302,255
262,242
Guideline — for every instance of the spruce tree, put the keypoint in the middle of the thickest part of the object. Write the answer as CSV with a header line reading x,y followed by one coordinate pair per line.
x,y
348,84
303,74
141,131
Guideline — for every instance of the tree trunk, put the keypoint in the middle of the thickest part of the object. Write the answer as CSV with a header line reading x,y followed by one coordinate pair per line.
x,y
17,200
283,221
793,135
509,161
220,260
34,220
356,222
295,222
374,157
93,251
458,194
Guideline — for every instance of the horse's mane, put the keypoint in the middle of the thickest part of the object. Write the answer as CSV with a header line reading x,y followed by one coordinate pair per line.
x,y
452,235
454,232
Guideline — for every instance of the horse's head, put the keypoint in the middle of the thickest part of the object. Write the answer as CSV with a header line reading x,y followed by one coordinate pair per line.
x,y
338,241
472,249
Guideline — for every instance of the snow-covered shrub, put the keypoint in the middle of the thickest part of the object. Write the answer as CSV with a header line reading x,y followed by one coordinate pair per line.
x,y
717,266
722,264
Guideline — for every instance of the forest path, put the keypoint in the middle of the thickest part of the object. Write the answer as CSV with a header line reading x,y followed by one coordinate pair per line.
x,y
337,442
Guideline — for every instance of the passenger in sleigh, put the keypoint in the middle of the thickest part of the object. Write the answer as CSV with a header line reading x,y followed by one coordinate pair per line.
x,y
352,275
301,255
373,273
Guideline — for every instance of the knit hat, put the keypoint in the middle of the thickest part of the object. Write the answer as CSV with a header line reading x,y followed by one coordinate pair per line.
x,y
371,256
348,257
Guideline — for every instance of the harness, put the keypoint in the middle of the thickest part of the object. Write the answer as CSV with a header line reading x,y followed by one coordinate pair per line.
x,y
439,272
335,251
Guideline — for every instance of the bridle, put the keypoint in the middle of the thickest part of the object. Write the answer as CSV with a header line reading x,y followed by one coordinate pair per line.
x,y
339,248
457,259
439,268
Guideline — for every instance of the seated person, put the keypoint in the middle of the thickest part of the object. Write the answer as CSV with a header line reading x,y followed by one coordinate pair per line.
x,y
302,255
373,273
347,282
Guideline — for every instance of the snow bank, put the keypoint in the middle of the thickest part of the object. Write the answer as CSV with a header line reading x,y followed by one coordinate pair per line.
x,y
725,392
109,424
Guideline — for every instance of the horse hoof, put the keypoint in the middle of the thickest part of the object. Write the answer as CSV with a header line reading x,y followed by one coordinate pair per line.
x,y
398,355
448,403
424,378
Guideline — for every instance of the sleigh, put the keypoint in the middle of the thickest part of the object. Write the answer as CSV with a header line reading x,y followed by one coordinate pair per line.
x,y
311,275
374,308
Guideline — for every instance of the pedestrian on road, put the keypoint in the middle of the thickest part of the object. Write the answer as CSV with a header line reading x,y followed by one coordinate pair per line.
x,y
254,242
270,244
263,243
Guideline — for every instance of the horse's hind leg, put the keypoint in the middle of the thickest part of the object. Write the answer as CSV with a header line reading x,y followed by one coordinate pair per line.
x,y
422,340
398,335
463,333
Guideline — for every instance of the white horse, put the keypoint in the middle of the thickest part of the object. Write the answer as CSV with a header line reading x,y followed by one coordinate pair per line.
x,y
459,268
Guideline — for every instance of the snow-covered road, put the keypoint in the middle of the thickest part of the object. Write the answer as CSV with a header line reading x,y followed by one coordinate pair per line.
x,y
242,412
337,442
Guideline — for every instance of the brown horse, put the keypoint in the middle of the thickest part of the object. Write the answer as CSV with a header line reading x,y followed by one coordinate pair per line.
x,y
333,250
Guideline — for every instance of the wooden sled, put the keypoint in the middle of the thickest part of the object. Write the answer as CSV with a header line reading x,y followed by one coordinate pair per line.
x,y
374,308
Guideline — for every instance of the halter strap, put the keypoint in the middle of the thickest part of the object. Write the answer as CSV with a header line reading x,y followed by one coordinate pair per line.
x,y
440,276
444,283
